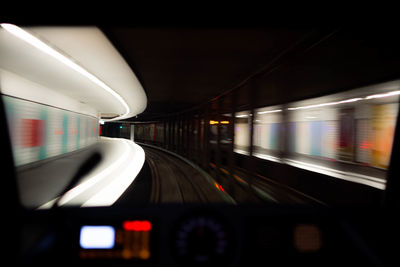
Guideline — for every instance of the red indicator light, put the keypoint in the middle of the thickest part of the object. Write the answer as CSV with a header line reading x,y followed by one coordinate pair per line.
x,y
222,189
219,187
146,226
137,226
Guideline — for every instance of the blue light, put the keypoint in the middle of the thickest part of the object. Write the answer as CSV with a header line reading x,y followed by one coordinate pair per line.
x,y
120,127
97,237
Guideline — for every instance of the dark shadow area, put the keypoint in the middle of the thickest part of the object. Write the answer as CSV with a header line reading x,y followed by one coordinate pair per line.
x,y
138,193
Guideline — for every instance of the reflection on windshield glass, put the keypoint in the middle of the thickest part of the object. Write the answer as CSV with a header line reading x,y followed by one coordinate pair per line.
x,y
341,135
348,136
63,106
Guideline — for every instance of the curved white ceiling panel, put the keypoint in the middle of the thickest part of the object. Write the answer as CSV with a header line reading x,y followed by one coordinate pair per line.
x,y
78,62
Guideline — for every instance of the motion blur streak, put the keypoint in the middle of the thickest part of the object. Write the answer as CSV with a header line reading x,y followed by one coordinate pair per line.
x,y
108,181
345,175
32,40
348,135
383,95
109,194
269,111
88,183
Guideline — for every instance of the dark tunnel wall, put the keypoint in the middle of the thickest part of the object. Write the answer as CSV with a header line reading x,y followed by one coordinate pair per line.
x,y
338,61
324,63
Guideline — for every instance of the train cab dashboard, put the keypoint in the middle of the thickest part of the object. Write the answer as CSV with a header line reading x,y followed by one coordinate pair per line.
x,y
207,235
212,234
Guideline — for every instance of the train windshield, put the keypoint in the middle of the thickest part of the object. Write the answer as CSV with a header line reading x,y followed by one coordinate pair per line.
x,y
76,139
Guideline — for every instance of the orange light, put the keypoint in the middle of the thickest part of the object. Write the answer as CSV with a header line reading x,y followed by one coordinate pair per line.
x,y
216,185
307,238
238,178
217,122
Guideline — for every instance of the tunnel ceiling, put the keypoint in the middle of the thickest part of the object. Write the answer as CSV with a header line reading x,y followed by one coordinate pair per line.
x,y
181,67
185,59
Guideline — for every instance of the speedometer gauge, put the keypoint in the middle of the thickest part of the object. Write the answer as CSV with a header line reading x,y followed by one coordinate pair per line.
x,y
201,240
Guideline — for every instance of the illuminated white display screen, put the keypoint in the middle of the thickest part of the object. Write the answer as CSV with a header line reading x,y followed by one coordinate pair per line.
x,y
97,237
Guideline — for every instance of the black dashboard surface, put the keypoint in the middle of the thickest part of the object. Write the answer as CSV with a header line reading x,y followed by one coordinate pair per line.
x,y
204,235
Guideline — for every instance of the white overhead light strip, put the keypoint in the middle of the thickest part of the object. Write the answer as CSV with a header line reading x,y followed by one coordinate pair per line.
x,y
315,106
393,93
350,100
383,95
269,111
242,116
34,41
334,103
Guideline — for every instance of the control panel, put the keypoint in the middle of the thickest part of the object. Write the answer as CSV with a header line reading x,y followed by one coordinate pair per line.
x,y
190,236
129,240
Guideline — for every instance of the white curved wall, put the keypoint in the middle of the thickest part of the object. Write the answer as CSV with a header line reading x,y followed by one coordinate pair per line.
x,y
78,62
57,82
17,86
42,122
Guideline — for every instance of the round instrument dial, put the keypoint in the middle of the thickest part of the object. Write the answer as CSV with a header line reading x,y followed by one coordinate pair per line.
x,y
201,240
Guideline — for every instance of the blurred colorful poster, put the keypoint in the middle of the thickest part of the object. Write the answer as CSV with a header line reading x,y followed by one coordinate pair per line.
x,y
316,137
383,124
274,136
346,134
292,136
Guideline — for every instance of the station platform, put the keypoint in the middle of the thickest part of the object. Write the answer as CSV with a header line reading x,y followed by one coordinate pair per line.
x,y
41,183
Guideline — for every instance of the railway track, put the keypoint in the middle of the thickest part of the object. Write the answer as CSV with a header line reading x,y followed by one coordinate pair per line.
x,y
175,181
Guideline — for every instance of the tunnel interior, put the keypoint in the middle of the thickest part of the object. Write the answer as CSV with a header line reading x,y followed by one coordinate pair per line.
x,y
195,146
